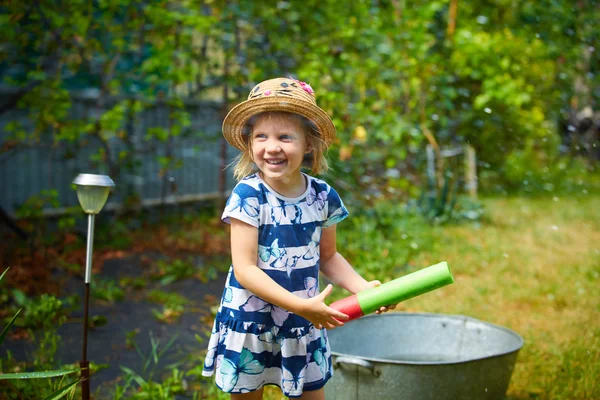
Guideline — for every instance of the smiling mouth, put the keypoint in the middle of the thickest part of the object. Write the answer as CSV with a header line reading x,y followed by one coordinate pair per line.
x,y
275,162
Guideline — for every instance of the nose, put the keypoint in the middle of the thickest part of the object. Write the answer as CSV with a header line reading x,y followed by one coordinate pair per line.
x,y
273,146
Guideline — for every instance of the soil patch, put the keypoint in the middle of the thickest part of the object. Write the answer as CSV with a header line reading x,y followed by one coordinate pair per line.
x,y
107,344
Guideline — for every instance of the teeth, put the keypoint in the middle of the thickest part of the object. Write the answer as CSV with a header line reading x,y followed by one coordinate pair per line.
x,y
274,162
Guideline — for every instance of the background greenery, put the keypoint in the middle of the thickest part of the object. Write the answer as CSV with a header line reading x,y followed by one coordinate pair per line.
x,y
516,80
507,77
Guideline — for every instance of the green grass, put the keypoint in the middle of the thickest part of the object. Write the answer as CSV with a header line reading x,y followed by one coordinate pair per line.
x,y
533,265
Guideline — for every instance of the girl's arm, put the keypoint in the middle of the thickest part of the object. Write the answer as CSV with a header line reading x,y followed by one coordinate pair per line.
x,y
244,253
335,267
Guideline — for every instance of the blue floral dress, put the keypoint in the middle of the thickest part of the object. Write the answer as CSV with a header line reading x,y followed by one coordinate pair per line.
x,y
255,343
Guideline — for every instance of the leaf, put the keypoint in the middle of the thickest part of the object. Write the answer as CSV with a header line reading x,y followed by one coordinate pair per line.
x,y
168,279
169,344
40,374
62,391
136,377
5,331
19,297
4,273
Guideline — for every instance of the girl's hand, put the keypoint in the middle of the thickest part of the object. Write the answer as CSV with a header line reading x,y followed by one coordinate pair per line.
x,y
382,309
320,314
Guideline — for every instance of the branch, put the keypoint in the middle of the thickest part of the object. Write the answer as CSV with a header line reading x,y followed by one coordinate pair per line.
x,y
452,17
4,217
57,36
49,65
14,99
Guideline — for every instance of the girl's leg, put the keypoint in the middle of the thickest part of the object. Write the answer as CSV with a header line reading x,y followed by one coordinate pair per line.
x,y
313,395
256,395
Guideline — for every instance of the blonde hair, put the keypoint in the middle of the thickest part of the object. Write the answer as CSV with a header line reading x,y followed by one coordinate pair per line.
x,y
243,164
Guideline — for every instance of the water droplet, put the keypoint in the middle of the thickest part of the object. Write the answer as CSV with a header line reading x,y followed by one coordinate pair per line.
x,y
482,19
435,117
487,110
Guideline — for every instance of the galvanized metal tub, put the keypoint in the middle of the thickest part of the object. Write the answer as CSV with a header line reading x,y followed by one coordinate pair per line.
x,y
421,356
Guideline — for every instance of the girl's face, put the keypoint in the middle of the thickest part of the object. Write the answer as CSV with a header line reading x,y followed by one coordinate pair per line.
x,y
278,148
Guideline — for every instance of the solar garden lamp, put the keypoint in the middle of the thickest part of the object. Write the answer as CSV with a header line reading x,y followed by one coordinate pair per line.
x,y
92,192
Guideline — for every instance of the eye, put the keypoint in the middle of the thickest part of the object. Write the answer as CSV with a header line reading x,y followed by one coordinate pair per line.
x,y
286,138
260,136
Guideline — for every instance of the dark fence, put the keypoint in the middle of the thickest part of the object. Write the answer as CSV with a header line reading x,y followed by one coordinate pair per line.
x,y
26,171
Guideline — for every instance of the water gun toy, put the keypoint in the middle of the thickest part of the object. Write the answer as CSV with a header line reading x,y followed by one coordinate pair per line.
x,y
393,292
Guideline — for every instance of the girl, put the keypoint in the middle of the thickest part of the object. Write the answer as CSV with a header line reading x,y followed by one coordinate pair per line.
x,y
270,326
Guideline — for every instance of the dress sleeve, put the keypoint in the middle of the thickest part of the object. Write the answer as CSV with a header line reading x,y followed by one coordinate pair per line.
x,y
336,211
243,204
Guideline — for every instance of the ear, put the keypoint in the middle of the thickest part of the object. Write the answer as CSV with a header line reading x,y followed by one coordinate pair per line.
x,y
309,148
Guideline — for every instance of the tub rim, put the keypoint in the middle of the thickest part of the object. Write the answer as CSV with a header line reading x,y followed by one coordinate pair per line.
x,y
509,331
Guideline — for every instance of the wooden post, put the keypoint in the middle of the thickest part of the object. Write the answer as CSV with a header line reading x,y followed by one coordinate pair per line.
x,y
470,171
452,17
431,175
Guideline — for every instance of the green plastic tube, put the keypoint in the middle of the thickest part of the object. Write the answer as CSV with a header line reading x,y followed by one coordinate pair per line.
x,y
405,287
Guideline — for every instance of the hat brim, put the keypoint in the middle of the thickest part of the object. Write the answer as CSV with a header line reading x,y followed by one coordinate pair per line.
x,y
233,124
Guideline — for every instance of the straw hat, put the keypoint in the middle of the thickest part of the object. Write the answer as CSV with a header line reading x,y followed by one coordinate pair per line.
x,y
279,94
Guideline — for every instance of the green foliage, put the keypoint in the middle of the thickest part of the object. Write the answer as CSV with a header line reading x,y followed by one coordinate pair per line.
x,y
41,312
167,298
32,375
107,290
561,177
393,75
7,327
444,205
115,235
173,305
130,338
538,168
45,358
169,271
33,207
143,384
133,282
166,389
380,242
31,214
142,52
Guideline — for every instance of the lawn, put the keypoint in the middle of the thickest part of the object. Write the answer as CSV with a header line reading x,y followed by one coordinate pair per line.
x,y
532,265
